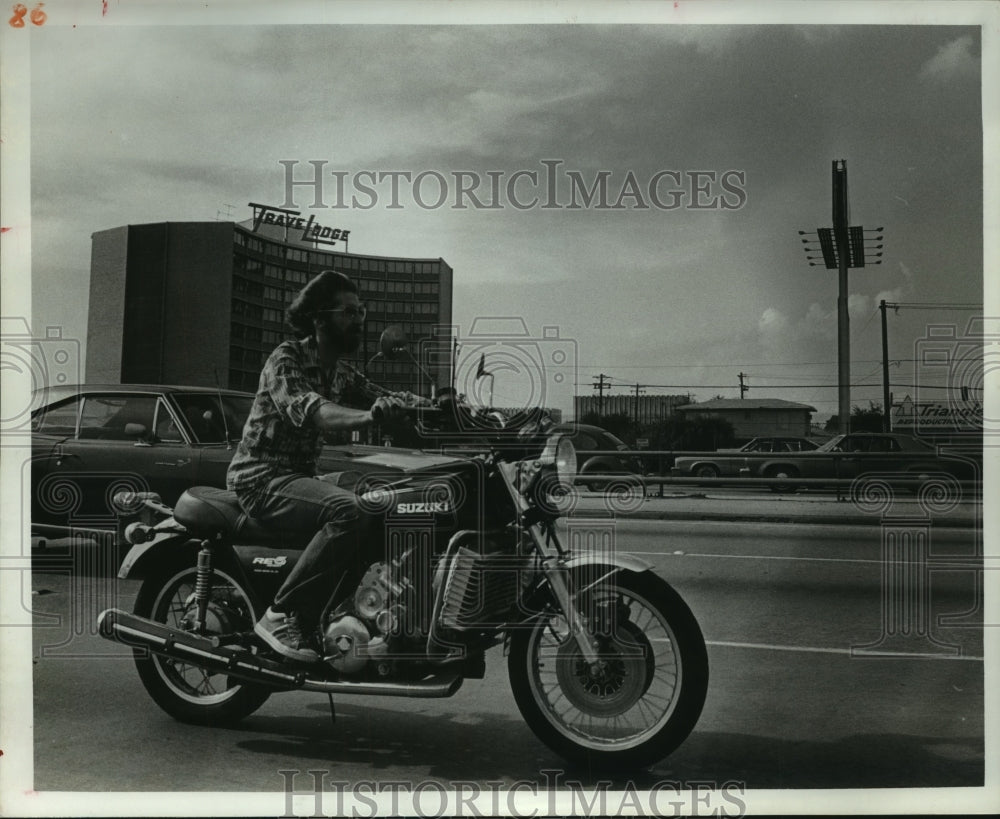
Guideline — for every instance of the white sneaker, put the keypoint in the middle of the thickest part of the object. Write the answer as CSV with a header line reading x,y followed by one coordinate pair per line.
x,y
281,631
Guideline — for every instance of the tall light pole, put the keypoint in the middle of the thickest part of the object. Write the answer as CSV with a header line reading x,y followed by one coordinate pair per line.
x,y
843,248
886,396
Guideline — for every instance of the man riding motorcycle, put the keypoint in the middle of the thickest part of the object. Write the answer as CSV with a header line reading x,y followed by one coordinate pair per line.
x,y
306,393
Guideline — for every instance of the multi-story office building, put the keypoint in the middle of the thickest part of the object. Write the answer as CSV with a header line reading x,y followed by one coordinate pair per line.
x,y
203,303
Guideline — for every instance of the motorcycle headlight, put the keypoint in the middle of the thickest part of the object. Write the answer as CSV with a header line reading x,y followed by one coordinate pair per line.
x,y
560,453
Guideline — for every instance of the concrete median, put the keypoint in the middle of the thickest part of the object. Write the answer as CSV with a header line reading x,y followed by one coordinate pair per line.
x,y
800,509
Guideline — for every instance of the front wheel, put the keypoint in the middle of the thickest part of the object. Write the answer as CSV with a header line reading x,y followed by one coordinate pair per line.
x,y
643,696
186,692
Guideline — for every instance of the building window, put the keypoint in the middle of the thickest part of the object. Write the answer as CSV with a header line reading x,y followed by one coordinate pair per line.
x,y
246,310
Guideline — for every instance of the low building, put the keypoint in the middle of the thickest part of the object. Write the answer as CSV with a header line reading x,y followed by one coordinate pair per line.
x,y
753,418
645,409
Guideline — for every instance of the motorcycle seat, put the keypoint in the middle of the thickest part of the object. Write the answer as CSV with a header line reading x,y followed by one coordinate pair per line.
x,y
210,512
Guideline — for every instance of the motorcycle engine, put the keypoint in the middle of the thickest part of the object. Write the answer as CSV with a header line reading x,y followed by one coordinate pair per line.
x,y
351,640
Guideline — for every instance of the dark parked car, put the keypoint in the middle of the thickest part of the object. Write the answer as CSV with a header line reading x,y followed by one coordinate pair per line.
x,y
731,462
861,453
599,449
91,441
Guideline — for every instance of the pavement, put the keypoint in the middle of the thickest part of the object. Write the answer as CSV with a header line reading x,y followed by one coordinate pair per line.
x,y
789,508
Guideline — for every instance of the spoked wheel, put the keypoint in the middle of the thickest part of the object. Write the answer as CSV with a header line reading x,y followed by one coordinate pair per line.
x,y
642,697
187,692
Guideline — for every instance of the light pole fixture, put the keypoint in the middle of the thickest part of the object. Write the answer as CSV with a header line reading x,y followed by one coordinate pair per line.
x,y
841,248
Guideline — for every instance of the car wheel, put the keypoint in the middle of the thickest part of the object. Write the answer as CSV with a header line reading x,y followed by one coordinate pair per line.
x,y
707,471
782,471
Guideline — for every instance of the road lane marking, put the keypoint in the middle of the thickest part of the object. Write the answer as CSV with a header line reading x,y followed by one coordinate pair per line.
x,y
842,651
952,562
761,557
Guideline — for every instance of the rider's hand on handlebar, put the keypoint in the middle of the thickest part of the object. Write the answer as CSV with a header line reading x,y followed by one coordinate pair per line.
x,y
388,408
411,400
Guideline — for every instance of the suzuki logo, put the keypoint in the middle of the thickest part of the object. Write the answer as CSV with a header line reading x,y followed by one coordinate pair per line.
x,y
416,508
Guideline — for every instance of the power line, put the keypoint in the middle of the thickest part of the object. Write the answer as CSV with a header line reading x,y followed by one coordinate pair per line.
x,y
929,305
631,385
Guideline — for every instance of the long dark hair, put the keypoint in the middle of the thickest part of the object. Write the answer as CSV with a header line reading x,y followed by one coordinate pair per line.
x,y
319,294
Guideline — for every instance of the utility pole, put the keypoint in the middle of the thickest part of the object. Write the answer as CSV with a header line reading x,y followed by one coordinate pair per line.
x,y
886,421
599,386
743,388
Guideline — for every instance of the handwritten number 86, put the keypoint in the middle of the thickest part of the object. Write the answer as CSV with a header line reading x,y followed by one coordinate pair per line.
x,y
37,16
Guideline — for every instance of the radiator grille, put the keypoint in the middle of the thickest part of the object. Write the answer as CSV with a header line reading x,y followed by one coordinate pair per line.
x,y
480,589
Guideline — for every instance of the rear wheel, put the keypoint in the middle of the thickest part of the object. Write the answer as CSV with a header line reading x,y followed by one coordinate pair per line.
x,y
642,697
187,692
707,471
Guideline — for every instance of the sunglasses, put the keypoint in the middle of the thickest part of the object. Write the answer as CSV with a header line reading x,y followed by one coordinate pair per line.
x,y
351,312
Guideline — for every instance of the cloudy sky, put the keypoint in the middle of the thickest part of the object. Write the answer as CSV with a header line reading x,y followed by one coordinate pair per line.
x,y
139,124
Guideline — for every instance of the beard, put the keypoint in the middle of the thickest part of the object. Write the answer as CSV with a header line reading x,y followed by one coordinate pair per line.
x,y
340,342
352,340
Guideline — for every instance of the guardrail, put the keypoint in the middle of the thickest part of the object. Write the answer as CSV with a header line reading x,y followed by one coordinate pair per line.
x,y
901,478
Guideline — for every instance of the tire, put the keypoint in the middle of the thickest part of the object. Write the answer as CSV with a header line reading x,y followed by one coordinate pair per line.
x,y
707,471
661,691
165,597
782,472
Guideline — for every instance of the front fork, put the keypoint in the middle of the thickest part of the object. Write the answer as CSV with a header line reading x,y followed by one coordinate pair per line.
x,y
556,574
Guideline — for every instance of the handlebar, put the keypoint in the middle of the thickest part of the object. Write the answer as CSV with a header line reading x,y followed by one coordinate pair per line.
x,y
411,413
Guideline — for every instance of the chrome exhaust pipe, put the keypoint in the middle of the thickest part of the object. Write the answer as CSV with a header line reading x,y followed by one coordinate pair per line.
x,y
207,652
431,687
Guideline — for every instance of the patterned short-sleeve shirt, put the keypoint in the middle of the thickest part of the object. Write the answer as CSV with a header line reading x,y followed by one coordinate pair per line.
x,y
280,436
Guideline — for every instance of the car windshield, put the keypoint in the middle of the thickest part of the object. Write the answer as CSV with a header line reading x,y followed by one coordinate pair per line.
x,y
214,418
832,445
873,443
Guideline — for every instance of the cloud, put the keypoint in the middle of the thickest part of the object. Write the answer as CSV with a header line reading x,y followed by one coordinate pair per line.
x,y
954,59
772,322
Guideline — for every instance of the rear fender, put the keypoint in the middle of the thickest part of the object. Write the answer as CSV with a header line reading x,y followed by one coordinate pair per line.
x,y
141,556
601,465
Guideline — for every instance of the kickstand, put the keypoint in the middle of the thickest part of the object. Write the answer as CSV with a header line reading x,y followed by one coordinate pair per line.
x,y
333,710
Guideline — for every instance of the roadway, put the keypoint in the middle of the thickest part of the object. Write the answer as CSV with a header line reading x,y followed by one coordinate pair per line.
x,y
811,686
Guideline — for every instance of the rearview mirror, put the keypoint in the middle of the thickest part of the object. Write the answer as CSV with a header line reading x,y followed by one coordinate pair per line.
x,y
392,342
135,430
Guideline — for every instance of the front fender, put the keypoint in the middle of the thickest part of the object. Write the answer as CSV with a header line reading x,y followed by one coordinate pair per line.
x,y
142,555
618,560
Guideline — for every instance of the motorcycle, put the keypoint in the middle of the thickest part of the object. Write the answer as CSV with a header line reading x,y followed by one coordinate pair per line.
x,y
606,662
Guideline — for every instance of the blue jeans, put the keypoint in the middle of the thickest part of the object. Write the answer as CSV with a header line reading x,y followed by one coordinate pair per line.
x,y
335,555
